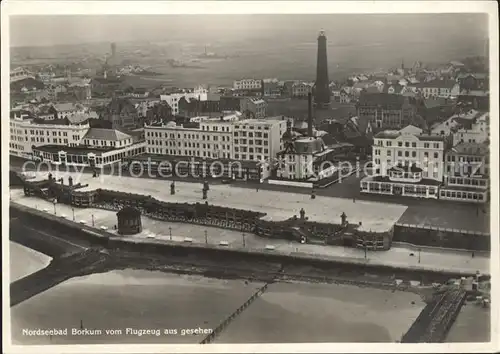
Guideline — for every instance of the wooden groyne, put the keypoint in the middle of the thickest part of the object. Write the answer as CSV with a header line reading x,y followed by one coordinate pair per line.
x,y
223,325
435,320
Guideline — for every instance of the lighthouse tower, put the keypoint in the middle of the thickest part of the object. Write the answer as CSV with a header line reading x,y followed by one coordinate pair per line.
x,y
321,88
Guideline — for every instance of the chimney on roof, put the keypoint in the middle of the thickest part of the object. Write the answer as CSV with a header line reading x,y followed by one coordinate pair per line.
x,y
309,115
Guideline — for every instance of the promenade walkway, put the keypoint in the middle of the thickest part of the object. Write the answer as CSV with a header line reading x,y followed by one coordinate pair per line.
x,y
374,216
427,258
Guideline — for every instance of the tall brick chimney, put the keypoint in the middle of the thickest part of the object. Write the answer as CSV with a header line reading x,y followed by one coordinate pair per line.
x,y
309,115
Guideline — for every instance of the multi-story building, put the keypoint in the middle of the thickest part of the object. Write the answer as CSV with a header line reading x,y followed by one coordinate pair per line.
x,y
271,88
122,114
258,140
247,84
473,81
200,93
476,130
439,89
406,163
193,107
301,89
20,73
97,148
386,111
230,103
66,110
246,140
253,107
305,157
46,76
27,132
82,91
208,139
143,106
467,173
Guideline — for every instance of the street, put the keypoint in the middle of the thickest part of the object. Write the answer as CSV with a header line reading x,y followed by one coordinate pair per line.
x,y
437,213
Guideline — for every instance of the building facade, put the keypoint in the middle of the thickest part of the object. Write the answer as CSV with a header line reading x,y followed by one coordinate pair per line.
x,y
476,130
200,93
253,107
97,148
439,89
122,114
246,140
209,139
26,133
386,111
301,89
67,110
247,84
405,163
467,170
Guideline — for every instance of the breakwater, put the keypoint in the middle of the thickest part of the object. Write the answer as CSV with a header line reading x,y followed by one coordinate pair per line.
x,y
59,270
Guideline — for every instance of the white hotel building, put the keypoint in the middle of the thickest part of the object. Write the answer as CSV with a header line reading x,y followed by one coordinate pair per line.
x,y
25,134
69,144
406,163
244,140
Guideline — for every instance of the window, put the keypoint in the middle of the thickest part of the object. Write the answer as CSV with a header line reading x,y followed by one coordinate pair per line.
x,y
388,152
436,155
407,153
414,145
400,153
413,154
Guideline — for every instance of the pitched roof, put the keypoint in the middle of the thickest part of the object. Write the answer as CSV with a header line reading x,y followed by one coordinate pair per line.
x,y
396,87
82,117
28,82
65,107
479,76
106,134
471,149
117,105
438,84
381,99
393,134
436,102
372,89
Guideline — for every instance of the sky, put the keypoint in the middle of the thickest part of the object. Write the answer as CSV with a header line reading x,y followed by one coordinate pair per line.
x,y
43,30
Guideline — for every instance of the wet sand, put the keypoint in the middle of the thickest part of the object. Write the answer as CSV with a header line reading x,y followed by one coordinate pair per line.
x,y
130,298
324,313
472,325
25,261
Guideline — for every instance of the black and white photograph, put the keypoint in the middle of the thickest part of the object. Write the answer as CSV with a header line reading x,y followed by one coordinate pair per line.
x,y
218,176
